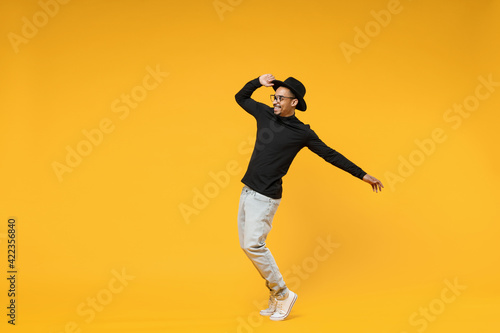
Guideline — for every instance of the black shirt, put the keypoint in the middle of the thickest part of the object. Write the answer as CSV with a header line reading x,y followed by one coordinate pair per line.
x,y
279,139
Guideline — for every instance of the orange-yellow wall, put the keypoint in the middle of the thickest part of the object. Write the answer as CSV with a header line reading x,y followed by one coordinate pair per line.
x,y
385,81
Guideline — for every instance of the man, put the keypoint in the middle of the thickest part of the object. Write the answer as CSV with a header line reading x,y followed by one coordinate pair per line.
x,y
280,136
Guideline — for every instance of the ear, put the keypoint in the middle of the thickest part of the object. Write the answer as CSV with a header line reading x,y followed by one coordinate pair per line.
x,y
295,102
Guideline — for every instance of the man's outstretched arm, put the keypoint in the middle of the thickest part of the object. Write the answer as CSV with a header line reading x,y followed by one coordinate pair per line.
x,y
340,161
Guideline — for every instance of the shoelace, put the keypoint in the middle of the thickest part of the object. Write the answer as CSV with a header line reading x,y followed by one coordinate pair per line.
x,y
272,303
279,306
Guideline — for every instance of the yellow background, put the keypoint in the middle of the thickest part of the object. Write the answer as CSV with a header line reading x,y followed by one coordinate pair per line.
x,y
120,209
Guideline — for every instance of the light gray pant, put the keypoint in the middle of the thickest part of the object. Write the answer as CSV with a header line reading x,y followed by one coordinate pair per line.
x,y
255,218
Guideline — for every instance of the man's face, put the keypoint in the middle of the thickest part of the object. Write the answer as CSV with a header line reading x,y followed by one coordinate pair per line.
x,y
284,107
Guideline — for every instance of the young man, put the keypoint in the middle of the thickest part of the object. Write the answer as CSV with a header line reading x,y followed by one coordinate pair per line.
x,y
280,136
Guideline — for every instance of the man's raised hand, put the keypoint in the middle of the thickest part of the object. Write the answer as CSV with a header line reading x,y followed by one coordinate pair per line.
x,y
266,80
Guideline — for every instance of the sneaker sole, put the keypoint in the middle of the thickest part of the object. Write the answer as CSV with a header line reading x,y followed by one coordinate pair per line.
x,y
288,312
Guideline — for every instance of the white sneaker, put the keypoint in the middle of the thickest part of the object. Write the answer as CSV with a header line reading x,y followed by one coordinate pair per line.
x,y
283,307
272,307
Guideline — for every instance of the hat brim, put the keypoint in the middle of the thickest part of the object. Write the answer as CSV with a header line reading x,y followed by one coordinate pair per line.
x,y
301,106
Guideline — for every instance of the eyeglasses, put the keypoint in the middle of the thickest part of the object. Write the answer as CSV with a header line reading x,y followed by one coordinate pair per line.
x,y
279,98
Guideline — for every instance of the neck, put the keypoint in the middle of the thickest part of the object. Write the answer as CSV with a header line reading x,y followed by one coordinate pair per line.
x,y
291,113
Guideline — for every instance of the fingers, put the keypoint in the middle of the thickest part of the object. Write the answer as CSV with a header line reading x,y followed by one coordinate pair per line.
x,y
270,78
379,185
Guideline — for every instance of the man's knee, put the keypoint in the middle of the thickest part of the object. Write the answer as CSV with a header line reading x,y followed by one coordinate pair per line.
x,y
250,247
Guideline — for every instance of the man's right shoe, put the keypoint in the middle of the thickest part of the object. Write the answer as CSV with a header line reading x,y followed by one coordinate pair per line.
x,y
272,307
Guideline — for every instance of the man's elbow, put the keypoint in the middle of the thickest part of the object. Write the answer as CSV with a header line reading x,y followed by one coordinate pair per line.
x,y
239,99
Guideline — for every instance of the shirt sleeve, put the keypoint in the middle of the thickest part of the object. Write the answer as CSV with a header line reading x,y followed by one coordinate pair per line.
x,y
243,98
333,157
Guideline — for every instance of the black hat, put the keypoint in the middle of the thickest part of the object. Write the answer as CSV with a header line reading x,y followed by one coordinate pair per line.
x,y
296,87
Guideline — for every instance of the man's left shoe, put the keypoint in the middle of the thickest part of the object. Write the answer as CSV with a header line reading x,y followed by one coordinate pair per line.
x,y
283,307
271,309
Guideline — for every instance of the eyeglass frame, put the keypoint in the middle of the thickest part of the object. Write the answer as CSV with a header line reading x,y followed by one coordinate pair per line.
x,y
273,98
